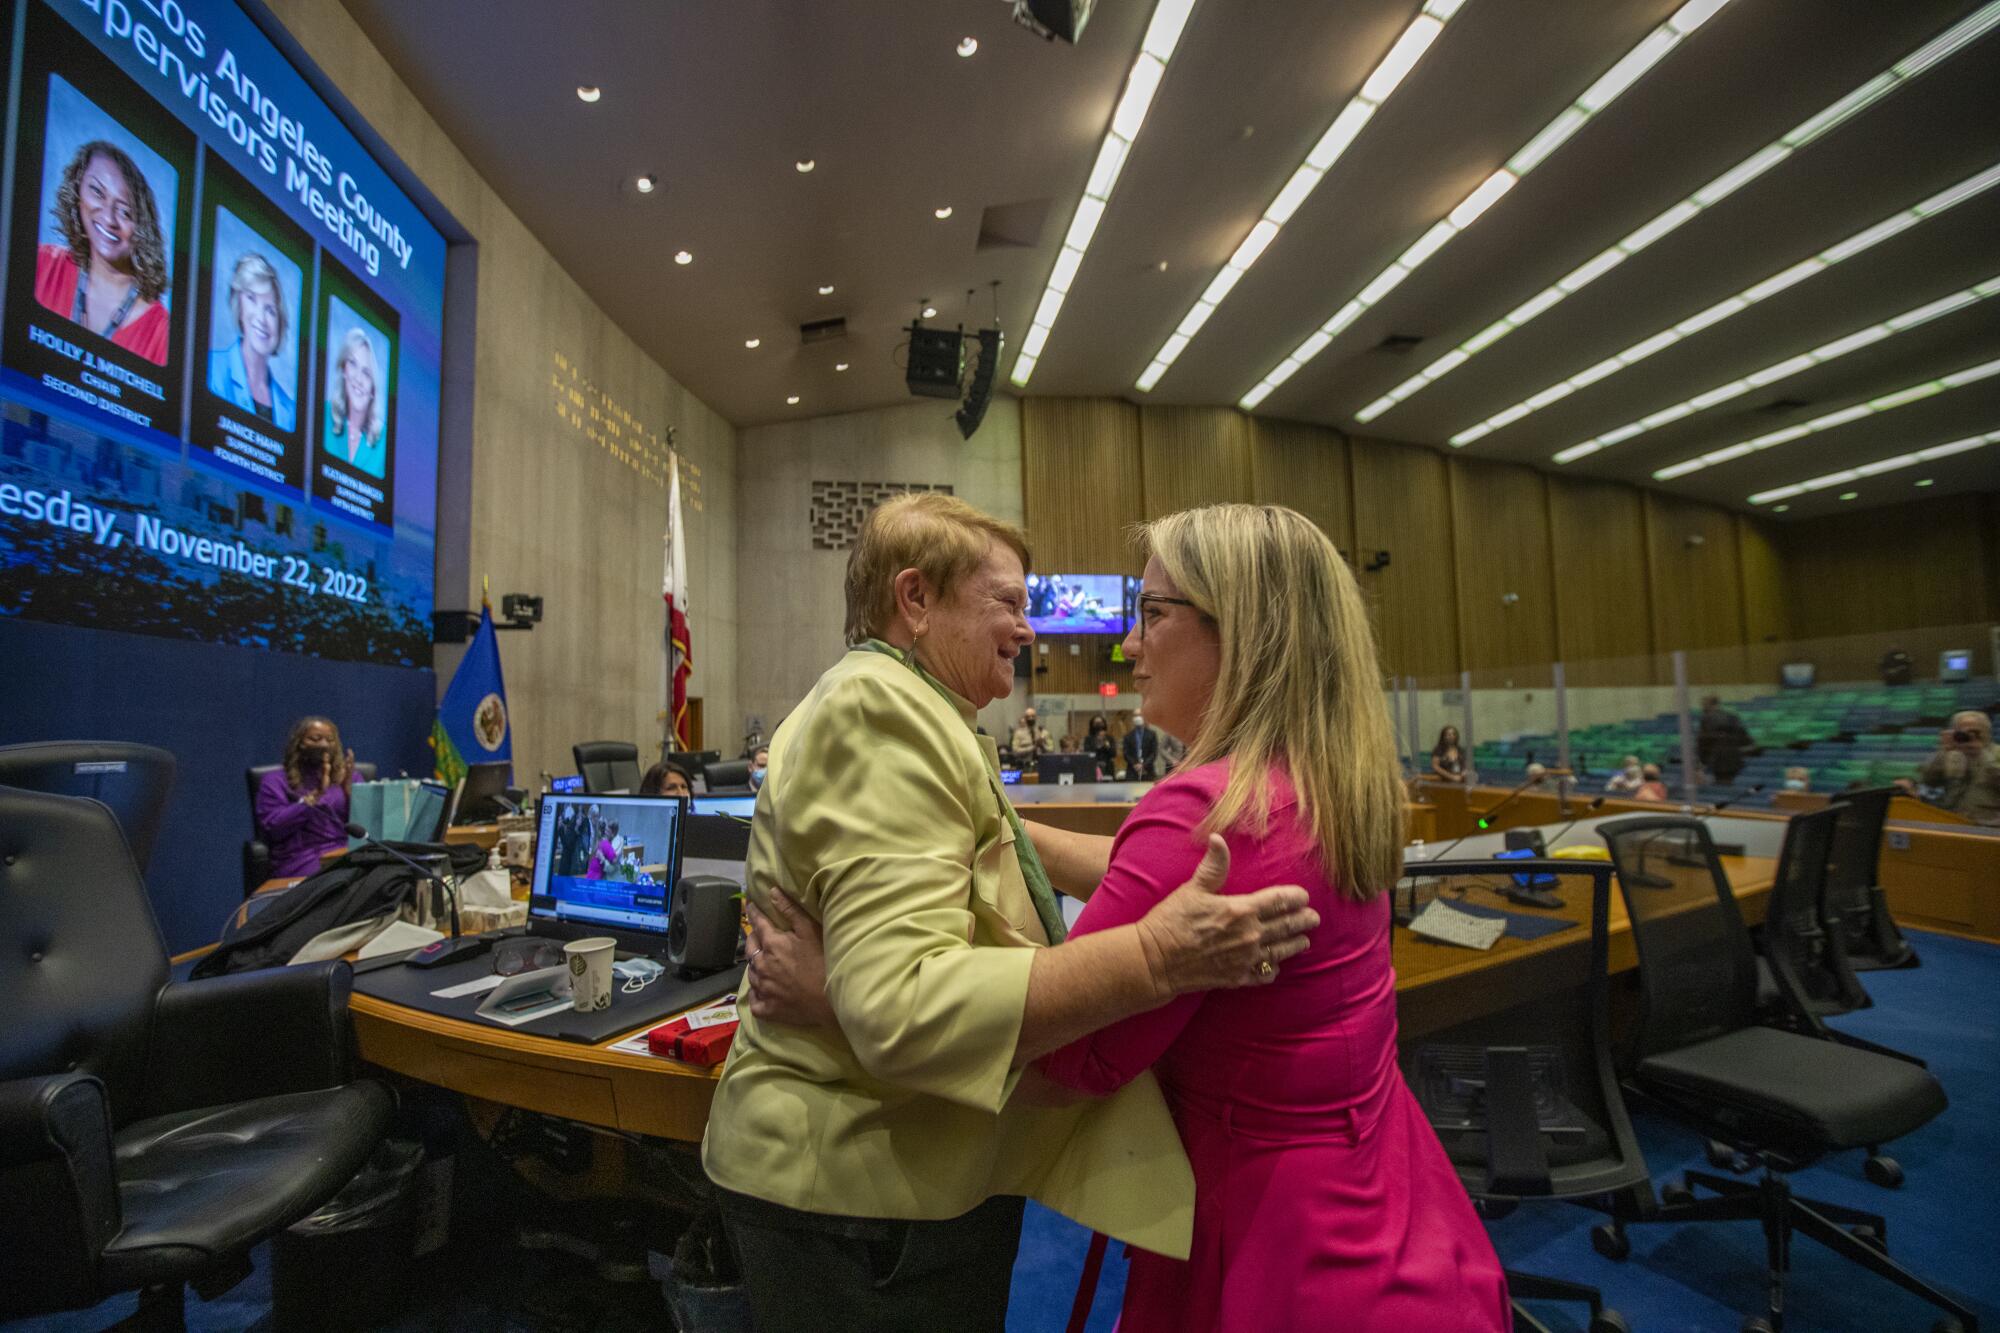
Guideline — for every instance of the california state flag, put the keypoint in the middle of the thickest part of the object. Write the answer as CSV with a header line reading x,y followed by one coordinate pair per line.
x,y
680,657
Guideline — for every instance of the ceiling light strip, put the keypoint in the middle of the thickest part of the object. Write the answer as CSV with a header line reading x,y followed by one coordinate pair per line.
x,y
1728,182
1879,466
1163,34
1771,374
1608,87
1376,89
1888,402
1734,305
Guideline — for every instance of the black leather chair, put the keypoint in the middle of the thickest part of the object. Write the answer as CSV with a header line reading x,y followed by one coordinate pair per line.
x,y
1526,1099
607,765
730,777
151,1132
1804,969
256,852
1854,890
132,780
1782,1099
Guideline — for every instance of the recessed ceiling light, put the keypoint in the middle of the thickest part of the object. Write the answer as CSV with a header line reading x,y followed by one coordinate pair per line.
x,y
1849,495
1926,481
941,213
967,46
683,257
647,184
803,165
840,365
1894,463
930,312
753,343
588,92
792,401
826,290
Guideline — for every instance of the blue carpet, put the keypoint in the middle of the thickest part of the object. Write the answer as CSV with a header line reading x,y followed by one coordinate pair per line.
x,y
1944,1223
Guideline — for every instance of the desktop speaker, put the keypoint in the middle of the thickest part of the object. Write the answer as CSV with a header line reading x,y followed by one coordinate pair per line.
x,y
705,930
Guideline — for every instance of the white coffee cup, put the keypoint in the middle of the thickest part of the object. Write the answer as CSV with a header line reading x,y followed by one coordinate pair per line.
x,y
590,972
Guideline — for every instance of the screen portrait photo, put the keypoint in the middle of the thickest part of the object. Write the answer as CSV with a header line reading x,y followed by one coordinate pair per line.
x,y
104,254
357,372
254,323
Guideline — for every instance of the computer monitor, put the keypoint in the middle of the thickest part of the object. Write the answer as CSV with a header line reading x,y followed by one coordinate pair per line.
x,y
1955,664
607,864
478,799
430,812
742,807
1061,769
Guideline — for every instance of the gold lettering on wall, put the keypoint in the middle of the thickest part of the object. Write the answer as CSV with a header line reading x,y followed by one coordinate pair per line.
x,y
604,422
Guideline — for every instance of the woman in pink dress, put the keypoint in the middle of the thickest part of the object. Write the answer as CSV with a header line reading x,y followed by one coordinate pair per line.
x,y
1323,1199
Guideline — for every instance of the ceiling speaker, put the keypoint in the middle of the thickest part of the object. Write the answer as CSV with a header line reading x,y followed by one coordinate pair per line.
x,y
973,410
937,362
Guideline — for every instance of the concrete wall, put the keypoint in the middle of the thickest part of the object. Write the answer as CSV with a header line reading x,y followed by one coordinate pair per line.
x,y
554,510
789,602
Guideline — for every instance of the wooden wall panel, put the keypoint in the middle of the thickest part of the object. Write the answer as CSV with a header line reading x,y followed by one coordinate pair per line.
x,y
1895,568
1697,585
1193,456
1402,505
1304,467
1500,541
1604,618
1081,483
1767,624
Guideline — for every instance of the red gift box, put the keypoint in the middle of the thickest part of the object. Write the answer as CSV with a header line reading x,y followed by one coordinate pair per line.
x,y
704,1046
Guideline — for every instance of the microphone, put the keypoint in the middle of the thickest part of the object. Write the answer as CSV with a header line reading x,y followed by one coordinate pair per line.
x,y
1588,808
437,952
1734,797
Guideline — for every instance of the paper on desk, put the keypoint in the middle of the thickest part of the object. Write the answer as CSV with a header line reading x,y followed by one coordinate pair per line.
x,y
472,987
396,937
714,1015
634,1044
1440,922
529,1016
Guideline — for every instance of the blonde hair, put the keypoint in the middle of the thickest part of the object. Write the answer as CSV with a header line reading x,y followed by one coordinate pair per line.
x,y
940,536
1299,686
357,341
254,273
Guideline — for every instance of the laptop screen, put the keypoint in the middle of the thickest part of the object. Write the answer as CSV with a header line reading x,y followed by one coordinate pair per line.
x,y
607,860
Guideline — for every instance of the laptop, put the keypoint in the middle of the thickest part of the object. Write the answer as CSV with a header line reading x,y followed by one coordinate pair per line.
x,y
607,865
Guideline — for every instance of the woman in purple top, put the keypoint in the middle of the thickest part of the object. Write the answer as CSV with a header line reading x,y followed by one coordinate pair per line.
x,y
302,808
605,854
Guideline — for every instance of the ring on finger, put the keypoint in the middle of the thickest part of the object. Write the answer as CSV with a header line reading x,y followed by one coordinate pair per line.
x,y
1265,969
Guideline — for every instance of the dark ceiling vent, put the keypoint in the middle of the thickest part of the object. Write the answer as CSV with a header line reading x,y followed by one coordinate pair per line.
x,y
1399,344
1013,226
1783,405
823,331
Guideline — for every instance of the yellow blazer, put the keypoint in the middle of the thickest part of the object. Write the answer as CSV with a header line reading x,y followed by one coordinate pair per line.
x,y
879,814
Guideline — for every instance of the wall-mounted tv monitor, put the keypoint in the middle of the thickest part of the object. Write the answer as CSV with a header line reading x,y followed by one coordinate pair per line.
x,y
1077,603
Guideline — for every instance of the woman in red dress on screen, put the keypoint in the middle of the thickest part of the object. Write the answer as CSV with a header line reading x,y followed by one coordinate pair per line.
x,y
1322,1196
110,271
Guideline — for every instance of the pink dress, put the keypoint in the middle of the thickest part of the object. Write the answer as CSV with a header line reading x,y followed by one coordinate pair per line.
x,y
1322,1196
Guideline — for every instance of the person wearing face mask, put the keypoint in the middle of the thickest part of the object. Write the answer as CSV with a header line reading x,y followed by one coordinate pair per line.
x,y
301,808
1029,739
1629,777
1142,751
760,763
871,1168
356,414
241,373
111,269
1964,769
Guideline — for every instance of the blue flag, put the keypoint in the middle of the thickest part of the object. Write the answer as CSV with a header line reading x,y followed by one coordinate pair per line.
x,y
472,725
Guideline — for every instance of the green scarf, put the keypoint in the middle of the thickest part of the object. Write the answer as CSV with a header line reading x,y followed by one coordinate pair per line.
x,y
1037,878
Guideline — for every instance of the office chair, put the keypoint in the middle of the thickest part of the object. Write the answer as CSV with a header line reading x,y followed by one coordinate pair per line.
x,y
1803,960
132,780
1854,891
729,776
151,1132
1782,1099
607,765
256,852
1526,1100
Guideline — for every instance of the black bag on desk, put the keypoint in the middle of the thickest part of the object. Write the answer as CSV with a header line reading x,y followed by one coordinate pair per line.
x,y
367,882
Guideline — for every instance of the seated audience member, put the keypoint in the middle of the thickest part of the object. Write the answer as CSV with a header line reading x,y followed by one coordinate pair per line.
x,y
1142,751
1447,760
1965,769
1628,778
666,779
1798,778
1896,667
1029,739
1651,788
1097,741
1067,745
1537,777
301,808
760,761
1721,741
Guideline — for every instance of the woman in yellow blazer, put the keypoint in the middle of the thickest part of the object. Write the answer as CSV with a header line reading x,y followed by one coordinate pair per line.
x,y
871,1173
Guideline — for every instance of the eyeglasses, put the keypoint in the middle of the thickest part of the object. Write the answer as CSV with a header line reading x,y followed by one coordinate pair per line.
x,y
513,957
1160,599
